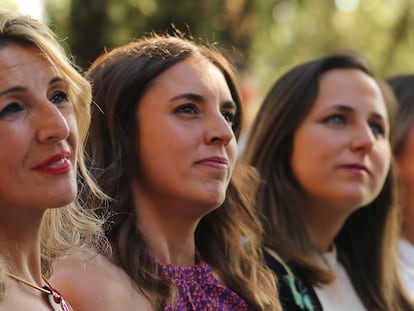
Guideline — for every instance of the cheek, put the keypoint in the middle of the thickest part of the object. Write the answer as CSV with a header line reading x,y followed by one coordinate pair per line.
x,y
232,152
301,168
74,132
383,158
301,155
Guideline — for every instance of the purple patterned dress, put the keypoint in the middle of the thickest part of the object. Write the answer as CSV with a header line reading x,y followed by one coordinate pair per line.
x,y
199,290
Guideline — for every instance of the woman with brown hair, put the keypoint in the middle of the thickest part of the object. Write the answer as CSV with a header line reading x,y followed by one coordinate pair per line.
x,y
163,146
321,143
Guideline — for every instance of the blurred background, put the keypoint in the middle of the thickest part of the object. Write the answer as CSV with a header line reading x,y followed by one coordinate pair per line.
x,y
264,37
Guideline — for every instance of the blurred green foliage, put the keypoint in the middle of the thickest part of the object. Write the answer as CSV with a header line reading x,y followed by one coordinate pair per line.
x,y
295,31
96,24
8,4
264,37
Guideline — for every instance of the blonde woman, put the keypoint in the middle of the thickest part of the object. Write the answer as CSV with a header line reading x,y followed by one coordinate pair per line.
x,y
44,118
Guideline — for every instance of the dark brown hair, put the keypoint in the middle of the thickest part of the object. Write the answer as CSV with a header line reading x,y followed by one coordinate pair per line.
x,y
120,78
366,243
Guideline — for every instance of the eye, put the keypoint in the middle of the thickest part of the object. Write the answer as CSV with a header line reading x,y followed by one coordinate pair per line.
x,y
377,129
59,97
187,109
229,117
10,109
336,119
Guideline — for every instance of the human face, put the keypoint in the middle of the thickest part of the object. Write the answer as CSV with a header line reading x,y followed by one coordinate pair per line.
x,y
186,144
38,133
341,152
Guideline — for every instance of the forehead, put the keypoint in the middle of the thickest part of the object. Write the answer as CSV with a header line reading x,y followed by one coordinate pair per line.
x,y
15,58
350,87
198,66
194,74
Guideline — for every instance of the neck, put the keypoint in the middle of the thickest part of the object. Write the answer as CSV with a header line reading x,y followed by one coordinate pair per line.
x,y
169,243
323,225
20,243
168,250
167,230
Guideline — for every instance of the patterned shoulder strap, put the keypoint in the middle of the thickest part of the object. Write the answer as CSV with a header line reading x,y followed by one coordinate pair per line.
x,y
300,293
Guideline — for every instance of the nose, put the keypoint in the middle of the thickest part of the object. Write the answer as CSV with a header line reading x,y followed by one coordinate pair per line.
x,y
51,124
218,130
363,139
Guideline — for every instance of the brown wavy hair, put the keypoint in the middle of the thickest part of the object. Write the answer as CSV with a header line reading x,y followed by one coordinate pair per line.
x,y
367,243
120,78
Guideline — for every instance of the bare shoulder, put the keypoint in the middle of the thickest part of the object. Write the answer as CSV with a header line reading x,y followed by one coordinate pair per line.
x,y
90,281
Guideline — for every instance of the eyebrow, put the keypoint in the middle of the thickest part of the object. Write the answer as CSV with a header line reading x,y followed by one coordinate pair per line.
x,y
56,80
228,104
12,90
348,109
22,88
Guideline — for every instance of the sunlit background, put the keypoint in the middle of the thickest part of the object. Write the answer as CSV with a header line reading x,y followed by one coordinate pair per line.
x,y
33,8
264,37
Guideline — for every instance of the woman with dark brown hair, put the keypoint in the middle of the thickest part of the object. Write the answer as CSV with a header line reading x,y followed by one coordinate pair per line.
x,y
321,143
163,146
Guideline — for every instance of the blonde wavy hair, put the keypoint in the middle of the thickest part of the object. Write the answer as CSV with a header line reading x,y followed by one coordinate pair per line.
x,y
71,227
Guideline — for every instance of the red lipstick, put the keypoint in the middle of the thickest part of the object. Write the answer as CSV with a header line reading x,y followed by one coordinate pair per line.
x,y
56,164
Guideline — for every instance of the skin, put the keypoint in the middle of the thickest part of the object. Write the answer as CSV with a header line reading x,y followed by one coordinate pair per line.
x,y
39,136
187,153
404,161
349,125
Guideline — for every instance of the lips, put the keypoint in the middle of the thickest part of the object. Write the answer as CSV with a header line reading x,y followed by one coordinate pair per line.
x,y
56,164
356,167
214,162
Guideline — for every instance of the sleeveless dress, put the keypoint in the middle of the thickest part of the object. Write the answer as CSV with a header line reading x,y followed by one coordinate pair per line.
x,y
198,289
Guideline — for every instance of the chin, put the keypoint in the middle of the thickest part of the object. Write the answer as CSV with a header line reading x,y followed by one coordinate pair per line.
x,y
211,205
355,203
65,198
59,203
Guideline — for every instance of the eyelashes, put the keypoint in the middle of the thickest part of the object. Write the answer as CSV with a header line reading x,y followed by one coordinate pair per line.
x,y
377,129
340,120
230,117
335,119
16,106
10,109
59,97
187,109
193,109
